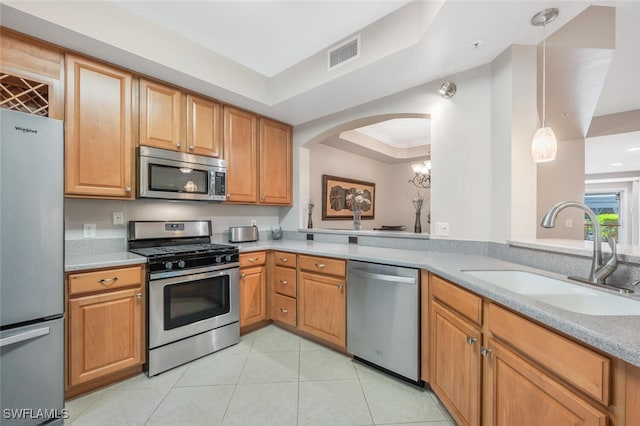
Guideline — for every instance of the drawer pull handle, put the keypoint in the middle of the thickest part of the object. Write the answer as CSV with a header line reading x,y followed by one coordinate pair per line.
x,y
340,286
253,259
320,265
284,282
284,259
242,276
284,310
471,340
486,351
108,281
139,296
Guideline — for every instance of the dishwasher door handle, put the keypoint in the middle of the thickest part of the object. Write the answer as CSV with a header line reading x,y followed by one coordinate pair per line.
x,y
383,277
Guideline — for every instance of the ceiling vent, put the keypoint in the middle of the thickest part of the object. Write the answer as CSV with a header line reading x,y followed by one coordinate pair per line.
x,y
345,52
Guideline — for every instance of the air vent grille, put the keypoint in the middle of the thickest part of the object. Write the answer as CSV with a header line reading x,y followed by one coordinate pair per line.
x,y
345,52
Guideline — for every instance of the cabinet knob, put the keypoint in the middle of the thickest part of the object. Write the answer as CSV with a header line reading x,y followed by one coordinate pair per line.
x,y
242,276
178,145
486,351
127,189
284,282
284,310
284,259
471,340
139,296
262,198
340,286
107,281
320,265
191,147
253,259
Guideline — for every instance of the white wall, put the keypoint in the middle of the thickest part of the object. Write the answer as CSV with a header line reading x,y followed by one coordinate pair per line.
x,y
393,196
80,211
460,150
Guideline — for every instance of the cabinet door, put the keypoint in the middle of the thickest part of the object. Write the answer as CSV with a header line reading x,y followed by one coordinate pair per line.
x,y
99,149
456,364
105,334
276,164
520,394
322,308
161,116
241,153
253,295
204,127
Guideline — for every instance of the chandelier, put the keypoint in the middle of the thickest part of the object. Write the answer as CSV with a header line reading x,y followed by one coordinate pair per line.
x,y
422,174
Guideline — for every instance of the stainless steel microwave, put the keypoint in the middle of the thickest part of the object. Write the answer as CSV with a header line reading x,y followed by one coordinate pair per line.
x,y
176,175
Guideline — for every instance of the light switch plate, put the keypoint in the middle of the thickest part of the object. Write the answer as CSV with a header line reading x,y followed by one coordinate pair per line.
x,y
442,229
89,230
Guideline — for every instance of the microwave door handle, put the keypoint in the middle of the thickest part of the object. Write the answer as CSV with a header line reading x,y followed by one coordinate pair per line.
x,y
212,183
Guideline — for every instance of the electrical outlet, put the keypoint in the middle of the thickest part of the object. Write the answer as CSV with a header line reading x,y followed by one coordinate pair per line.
x,y
568,223
253,222
118,218
442,229
89,230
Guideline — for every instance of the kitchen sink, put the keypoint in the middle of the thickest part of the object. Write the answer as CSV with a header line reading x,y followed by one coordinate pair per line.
x,y
559,293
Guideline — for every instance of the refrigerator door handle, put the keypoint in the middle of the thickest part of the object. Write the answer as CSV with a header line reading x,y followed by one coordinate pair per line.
x,y
27,335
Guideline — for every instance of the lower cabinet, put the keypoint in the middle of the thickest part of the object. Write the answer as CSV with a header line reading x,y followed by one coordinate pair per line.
x,y
285,288
322,307
253,288
105,324
518,393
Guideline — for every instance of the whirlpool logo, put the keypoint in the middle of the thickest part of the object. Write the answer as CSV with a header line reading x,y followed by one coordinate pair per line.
x,y
25,130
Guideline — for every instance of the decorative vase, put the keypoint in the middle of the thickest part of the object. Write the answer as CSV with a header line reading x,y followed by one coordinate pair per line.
x,y
417,228
309,222
356,219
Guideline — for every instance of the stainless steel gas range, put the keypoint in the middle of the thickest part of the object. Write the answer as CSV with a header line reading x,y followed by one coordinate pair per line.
x,y
192,291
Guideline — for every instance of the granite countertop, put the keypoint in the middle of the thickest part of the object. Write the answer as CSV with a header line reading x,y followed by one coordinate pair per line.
x,y
615,335
106,260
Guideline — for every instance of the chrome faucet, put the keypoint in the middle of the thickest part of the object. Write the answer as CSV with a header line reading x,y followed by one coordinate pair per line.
x,y
599,271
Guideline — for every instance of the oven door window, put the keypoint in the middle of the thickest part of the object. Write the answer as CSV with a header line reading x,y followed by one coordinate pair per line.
x,y
178,179
186,303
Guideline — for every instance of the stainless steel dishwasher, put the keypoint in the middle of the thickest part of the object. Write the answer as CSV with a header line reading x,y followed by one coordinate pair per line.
x,y
383,317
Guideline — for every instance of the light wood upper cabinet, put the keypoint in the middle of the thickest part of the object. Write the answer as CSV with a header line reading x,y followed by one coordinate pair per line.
x,y
99,146
259,155
241,153
170,119
33,75
276,164
161,122
204,127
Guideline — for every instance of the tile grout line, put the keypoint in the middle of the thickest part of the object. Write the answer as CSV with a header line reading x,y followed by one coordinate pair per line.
x,y
364,394
235,386
299,373
164,397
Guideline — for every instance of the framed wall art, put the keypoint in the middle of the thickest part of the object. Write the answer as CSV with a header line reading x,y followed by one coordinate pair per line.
x,y
340,196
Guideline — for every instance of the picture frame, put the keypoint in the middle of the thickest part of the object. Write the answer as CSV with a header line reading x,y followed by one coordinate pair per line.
x,y
337,196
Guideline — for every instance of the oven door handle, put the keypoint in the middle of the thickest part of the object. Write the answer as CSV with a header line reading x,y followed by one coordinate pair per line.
x,y
233,272
183,273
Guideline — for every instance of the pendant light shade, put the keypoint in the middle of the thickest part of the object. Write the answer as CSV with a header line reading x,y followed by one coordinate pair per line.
x,y
544,145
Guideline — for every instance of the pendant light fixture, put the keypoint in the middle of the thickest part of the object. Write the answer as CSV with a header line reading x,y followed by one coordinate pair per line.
x,y
544,145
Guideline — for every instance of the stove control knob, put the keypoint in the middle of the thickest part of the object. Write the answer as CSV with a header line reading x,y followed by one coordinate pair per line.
x,y
218,259
181,263
168,265
228,257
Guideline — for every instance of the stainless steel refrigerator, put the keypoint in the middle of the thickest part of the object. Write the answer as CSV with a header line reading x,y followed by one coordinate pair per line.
x,y
32,269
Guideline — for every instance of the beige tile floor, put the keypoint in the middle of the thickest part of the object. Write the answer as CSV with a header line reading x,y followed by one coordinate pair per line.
x,y
272,377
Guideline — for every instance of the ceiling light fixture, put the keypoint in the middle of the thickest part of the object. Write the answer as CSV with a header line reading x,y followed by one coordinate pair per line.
x,y
544,145
422,174
447,89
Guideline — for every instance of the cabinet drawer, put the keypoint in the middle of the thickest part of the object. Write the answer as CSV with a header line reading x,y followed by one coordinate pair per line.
x,y
466,303
580,366
253,259
284,309
104,280
285,281
283,258
323,265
